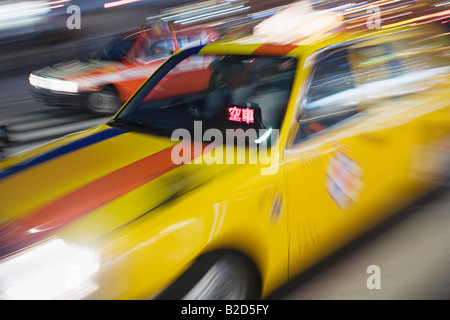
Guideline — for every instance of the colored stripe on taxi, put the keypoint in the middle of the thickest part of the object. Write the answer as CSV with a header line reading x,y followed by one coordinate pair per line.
x,y
73,146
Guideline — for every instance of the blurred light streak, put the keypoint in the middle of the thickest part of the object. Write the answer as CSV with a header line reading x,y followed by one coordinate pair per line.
x,y
429,21
191,13
397,6
118,3
443,13
397,16
442,4
57,1
217,15
209,14
267,12
186,8
364,15
25,12
10,11
383,20
344,6
369,6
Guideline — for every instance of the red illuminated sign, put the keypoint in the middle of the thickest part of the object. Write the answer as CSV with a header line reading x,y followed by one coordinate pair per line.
x,y
238,114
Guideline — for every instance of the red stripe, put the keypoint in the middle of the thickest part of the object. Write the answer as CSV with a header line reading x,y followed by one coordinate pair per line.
x,y
274,49
17,235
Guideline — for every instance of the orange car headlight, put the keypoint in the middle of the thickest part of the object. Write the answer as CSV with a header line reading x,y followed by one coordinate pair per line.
x,y
53,84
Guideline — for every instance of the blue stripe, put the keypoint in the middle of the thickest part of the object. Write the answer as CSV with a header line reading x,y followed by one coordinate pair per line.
x,y
190,51
70,147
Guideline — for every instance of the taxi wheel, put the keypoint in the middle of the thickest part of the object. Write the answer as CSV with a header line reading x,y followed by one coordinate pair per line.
x,y
218,276
105,101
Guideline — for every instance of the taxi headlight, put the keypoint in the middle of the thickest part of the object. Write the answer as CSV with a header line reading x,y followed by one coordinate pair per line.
x,y
53,84
52,269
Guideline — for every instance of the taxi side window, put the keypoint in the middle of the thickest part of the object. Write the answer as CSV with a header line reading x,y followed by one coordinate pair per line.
x,y
374,74
375,63
330,98
386,72
160,48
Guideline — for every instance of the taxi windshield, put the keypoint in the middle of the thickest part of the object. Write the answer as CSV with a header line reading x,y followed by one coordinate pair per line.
x,y
114,50
218,91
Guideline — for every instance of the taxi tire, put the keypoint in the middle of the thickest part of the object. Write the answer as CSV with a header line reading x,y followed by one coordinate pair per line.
x,y
100,101
224,275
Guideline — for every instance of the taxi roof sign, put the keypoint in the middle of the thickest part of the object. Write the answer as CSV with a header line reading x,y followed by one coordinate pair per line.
x,y
299,21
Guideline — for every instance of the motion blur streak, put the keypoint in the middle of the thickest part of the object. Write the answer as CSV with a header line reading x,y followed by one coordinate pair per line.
x,y
118,3
441,15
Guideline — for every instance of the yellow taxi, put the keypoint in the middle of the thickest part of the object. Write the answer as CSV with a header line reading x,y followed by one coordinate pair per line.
x,y
236,166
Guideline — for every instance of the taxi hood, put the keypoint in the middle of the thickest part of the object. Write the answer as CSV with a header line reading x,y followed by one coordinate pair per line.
x,y
81,179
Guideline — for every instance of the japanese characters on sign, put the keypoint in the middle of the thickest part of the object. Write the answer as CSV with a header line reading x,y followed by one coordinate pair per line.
x,y
238,114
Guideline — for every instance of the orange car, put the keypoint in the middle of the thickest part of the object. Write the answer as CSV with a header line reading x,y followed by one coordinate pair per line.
x,y
113,72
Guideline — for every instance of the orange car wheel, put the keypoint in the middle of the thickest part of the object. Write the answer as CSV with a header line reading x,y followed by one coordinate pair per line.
x,y
105,101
